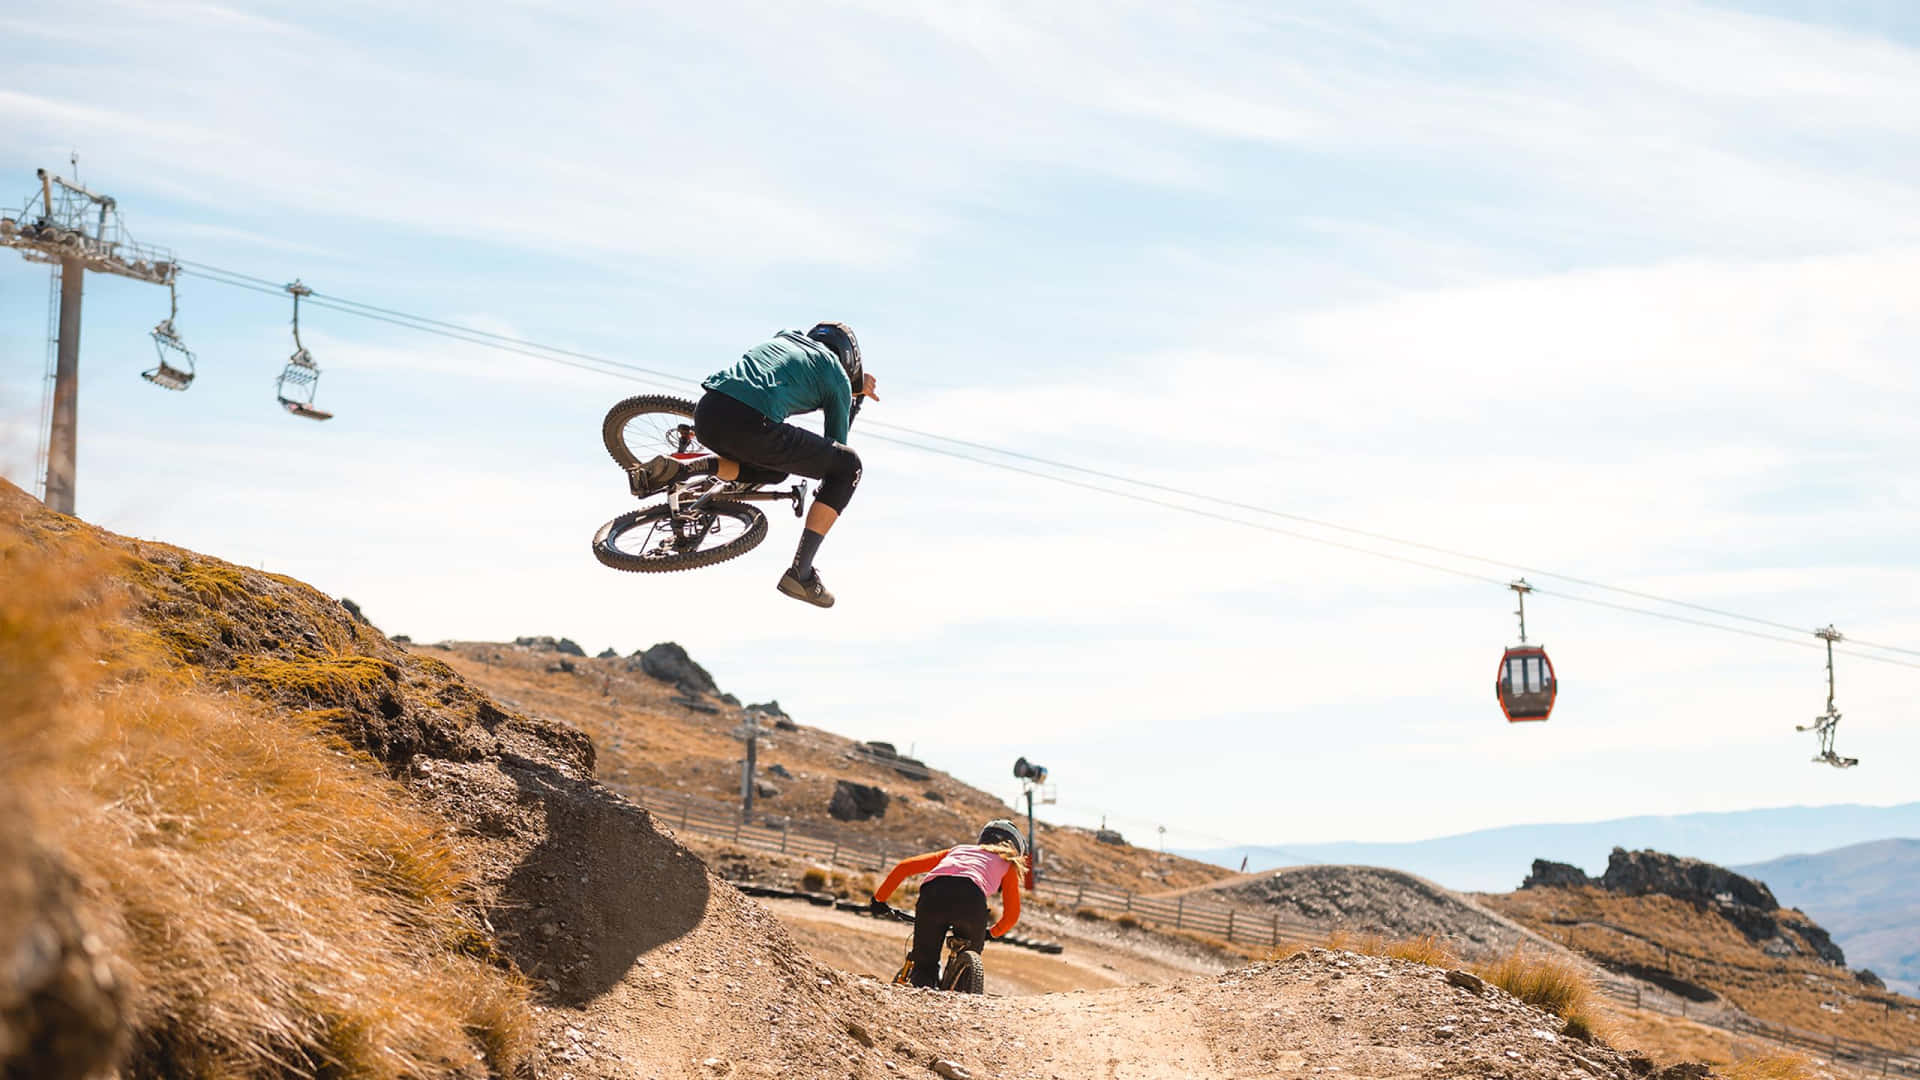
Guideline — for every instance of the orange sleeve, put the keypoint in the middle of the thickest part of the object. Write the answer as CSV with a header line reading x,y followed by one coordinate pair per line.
x,y
918,864
1009,903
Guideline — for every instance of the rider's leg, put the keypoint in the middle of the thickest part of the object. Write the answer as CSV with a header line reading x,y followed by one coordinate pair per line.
x,y
944,902
836,490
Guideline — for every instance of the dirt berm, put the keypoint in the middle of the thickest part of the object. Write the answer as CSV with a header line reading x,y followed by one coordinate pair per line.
x,y
642,962
1373,900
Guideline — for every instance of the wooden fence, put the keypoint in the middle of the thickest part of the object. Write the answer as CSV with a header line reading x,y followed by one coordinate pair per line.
x,y
834,849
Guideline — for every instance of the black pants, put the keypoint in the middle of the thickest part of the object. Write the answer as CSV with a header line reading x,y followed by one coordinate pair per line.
x,y
767,451
946,903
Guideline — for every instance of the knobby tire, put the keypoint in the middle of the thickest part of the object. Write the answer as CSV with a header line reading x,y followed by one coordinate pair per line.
x,y
965,974
613,428
609,555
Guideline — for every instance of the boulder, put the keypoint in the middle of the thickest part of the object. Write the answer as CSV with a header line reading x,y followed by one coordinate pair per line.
x,y
772,711
857,802
1555,875
764,790
608,653
669,662
545,643
779,771
1866,977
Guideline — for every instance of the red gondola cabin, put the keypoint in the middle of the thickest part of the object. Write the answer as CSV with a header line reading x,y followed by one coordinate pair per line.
x,y
1525,685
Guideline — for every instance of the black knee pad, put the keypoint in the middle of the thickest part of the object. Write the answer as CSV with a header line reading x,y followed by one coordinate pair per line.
x,y
843,475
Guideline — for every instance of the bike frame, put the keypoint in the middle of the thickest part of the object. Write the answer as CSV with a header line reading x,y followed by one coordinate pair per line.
x,y
691,498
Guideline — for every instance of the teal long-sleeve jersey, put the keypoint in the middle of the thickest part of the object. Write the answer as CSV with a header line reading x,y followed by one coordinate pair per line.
x,y
789,374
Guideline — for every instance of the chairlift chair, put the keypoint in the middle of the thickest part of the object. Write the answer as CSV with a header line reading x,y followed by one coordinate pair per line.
x,y
175,369
301,377
1826,723
1526,686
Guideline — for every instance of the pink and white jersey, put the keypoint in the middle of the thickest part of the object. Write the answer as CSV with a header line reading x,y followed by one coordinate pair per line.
x,y
971,861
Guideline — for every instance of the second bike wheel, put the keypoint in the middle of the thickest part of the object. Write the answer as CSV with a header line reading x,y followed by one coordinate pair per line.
x,y
965,974
641,428
653,539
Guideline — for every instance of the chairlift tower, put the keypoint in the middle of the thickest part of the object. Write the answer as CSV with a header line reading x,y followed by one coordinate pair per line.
x,y
74,230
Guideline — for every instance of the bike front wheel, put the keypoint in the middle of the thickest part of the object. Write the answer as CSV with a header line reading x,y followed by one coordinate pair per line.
x,y
644,427
965,974
655,539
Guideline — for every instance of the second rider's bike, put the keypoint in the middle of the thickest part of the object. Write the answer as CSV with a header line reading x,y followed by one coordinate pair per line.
x,y
963,972
703,521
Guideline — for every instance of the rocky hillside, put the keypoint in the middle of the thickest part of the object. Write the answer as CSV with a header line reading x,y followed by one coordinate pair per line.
x,y
1714,937
663,728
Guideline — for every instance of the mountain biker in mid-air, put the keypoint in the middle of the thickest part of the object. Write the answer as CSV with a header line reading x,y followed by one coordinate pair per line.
x,y
954,894
742,419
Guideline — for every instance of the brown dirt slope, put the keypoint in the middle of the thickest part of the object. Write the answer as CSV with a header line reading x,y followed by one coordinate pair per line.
x,y
648,740
1694,951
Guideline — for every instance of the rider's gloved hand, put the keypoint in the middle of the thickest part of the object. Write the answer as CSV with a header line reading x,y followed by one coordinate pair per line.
x,y
877,906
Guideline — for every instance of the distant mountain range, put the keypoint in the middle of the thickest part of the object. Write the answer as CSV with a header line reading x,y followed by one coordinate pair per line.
x,y
1496,860
1866,895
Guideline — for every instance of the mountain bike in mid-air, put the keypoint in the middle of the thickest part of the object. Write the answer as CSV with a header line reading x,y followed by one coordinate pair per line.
x,y
963,972
704,520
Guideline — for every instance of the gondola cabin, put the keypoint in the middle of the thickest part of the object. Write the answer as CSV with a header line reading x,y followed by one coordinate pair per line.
x,y
1525,685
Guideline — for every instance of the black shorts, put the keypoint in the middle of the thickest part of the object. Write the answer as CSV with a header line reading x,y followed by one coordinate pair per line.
x,y
767,451
736,431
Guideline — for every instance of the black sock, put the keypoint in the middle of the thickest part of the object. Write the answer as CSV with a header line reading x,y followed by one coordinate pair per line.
x,y
701,466
803,556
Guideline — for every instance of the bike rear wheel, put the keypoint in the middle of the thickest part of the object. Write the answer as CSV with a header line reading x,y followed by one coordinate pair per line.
x,y
965,973
653,539
644,427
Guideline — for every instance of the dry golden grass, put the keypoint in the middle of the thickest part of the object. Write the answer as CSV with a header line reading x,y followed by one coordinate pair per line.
x,y
279,906
1426,949
1774,1066
1557,985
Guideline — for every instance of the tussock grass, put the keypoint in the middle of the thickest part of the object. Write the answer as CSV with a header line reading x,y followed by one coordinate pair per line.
x,y
1775,1066
1557,985
1426,949
279,907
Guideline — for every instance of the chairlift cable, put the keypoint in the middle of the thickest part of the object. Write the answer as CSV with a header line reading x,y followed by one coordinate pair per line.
x,y
666,380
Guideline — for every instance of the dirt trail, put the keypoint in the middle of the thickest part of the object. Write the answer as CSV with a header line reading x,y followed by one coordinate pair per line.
x,y
858,944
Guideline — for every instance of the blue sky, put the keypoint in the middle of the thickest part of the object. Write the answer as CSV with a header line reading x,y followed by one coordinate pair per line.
x,y
1620,290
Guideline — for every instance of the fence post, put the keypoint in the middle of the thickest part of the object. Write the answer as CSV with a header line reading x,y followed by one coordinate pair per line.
x,y
738,822
686,804
1081,895
1129,901
1180,913
1229,926
1276,933
786,824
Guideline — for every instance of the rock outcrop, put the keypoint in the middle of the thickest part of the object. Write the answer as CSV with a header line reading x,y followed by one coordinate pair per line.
x,y
1548,874
1745,903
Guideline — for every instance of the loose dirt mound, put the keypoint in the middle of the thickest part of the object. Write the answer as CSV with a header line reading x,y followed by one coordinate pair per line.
x,y
1373,900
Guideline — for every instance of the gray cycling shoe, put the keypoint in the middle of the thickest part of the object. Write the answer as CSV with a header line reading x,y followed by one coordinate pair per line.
x,y
810,590
652,477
